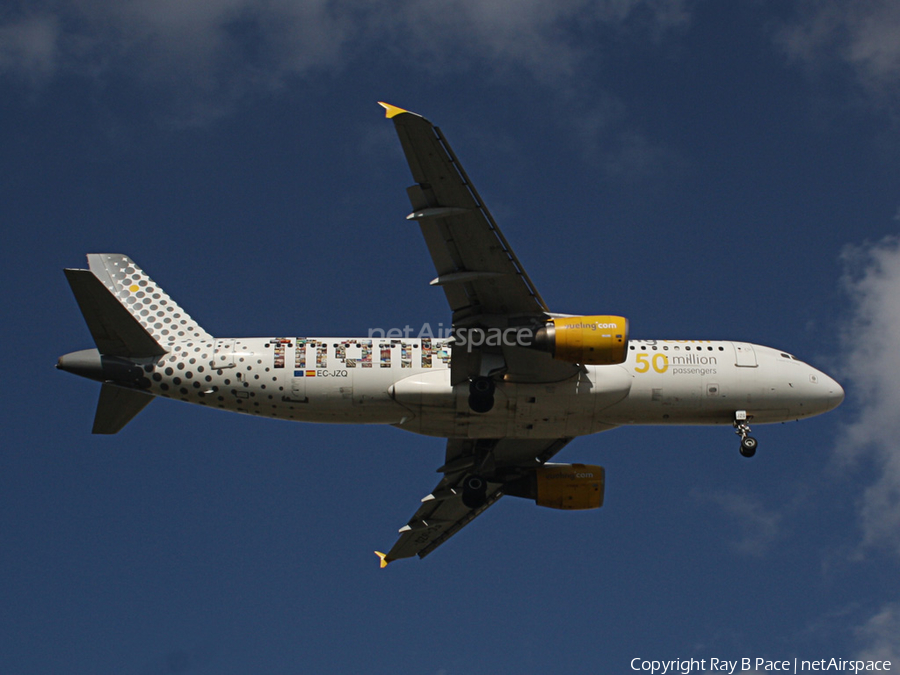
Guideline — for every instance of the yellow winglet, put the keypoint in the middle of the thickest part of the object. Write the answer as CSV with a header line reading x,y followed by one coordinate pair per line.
x,y
389,112
383,556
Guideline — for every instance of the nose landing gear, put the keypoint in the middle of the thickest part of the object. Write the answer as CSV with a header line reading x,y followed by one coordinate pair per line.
x,y
742,429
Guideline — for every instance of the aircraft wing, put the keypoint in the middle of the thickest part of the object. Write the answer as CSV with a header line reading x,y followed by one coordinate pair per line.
x,y
484,282
476,267
443,513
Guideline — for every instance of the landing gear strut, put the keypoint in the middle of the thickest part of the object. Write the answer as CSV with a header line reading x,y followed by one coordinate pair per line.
x,y
481,394
742,429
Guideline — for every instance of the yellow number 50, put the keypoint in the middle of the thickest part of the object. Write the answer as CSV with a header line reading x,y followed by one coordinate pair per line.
x,y
660,363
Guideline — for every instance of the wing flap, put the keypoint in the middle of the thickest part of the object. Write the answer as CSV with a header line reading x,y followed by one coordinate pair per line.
x,y
436,521
461,235
443,513
483,280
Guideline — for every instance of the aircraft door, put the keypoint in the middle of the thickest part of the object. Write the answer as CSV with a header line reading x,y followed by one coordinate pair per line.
x,y
744,355
329,387
297,390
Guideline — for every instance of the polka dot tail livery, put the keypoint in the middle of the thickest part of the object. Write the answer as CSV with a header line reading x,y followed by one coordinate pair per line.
x,y
145,300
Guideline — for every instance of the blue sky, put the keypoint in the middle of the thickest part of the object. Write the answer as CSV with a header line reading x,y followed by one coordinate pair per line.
x,y
709,170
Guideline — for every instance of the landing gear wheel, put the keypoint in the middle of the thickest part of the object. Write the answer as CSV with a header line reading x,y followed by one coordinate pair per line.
x,y
474,491
748,446
742,429
481,404
481,394
482,385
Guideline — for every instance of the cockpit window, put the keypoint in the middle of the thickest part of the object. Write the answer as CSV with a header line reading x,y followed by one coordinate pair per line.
x,y
788,356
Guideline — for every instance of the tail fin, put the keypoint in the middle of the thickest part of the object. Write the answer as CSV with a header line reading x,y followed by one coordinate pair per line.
x,y
127,313
129,317
115,330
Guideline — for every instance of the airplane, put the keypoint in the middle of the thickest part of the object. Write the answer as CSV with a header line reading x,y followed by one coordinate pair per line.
x,y
509,387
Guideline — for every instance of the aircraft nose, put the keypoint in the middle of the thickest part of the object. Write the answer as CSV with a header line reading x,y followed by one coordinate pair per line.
x,y
837,395
832,393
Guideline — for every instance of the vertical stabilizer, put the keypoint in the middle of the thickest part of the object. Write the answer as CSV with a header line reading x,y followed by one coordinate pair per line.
x,y
116,331
160,316
133,322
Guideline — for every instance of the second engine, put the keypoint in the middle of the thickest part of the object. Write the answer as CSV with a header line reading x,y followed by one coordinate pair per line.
x,y
562,486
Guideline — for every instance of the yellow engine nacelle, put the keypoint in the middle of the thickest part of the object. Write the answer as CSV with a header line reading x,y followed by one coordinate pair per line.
x,y
591,340
570,486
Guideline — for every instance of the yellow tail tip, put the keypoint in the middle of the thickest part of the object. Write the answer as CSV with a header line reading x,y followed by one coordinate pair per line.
x,y
391,111
384,559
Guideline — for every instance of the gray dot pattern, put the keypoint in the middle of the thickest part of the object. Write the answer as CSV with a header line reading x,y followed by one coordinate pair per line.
x,y
148,303
249,385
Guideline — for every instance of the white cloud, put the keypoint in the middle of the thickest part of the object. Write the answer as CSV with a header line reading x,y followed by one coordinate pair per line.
x,y
757,526
880,635
548,39
28,47
212,44
872,360
230,47
861,35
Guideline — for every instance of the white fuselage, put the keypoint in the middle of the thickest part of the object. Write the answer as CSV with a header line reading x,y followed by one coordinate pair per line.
x,y
406,382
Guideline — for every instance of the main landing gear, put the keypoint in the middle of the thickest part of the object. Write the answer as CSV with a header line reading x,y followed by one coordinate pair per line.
x,y
742,429
481,394
474,491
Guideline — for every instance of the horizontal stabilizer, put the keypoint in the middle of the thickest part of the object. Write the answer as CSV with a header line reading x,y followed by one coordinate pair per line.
x,y
117,407
115,330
